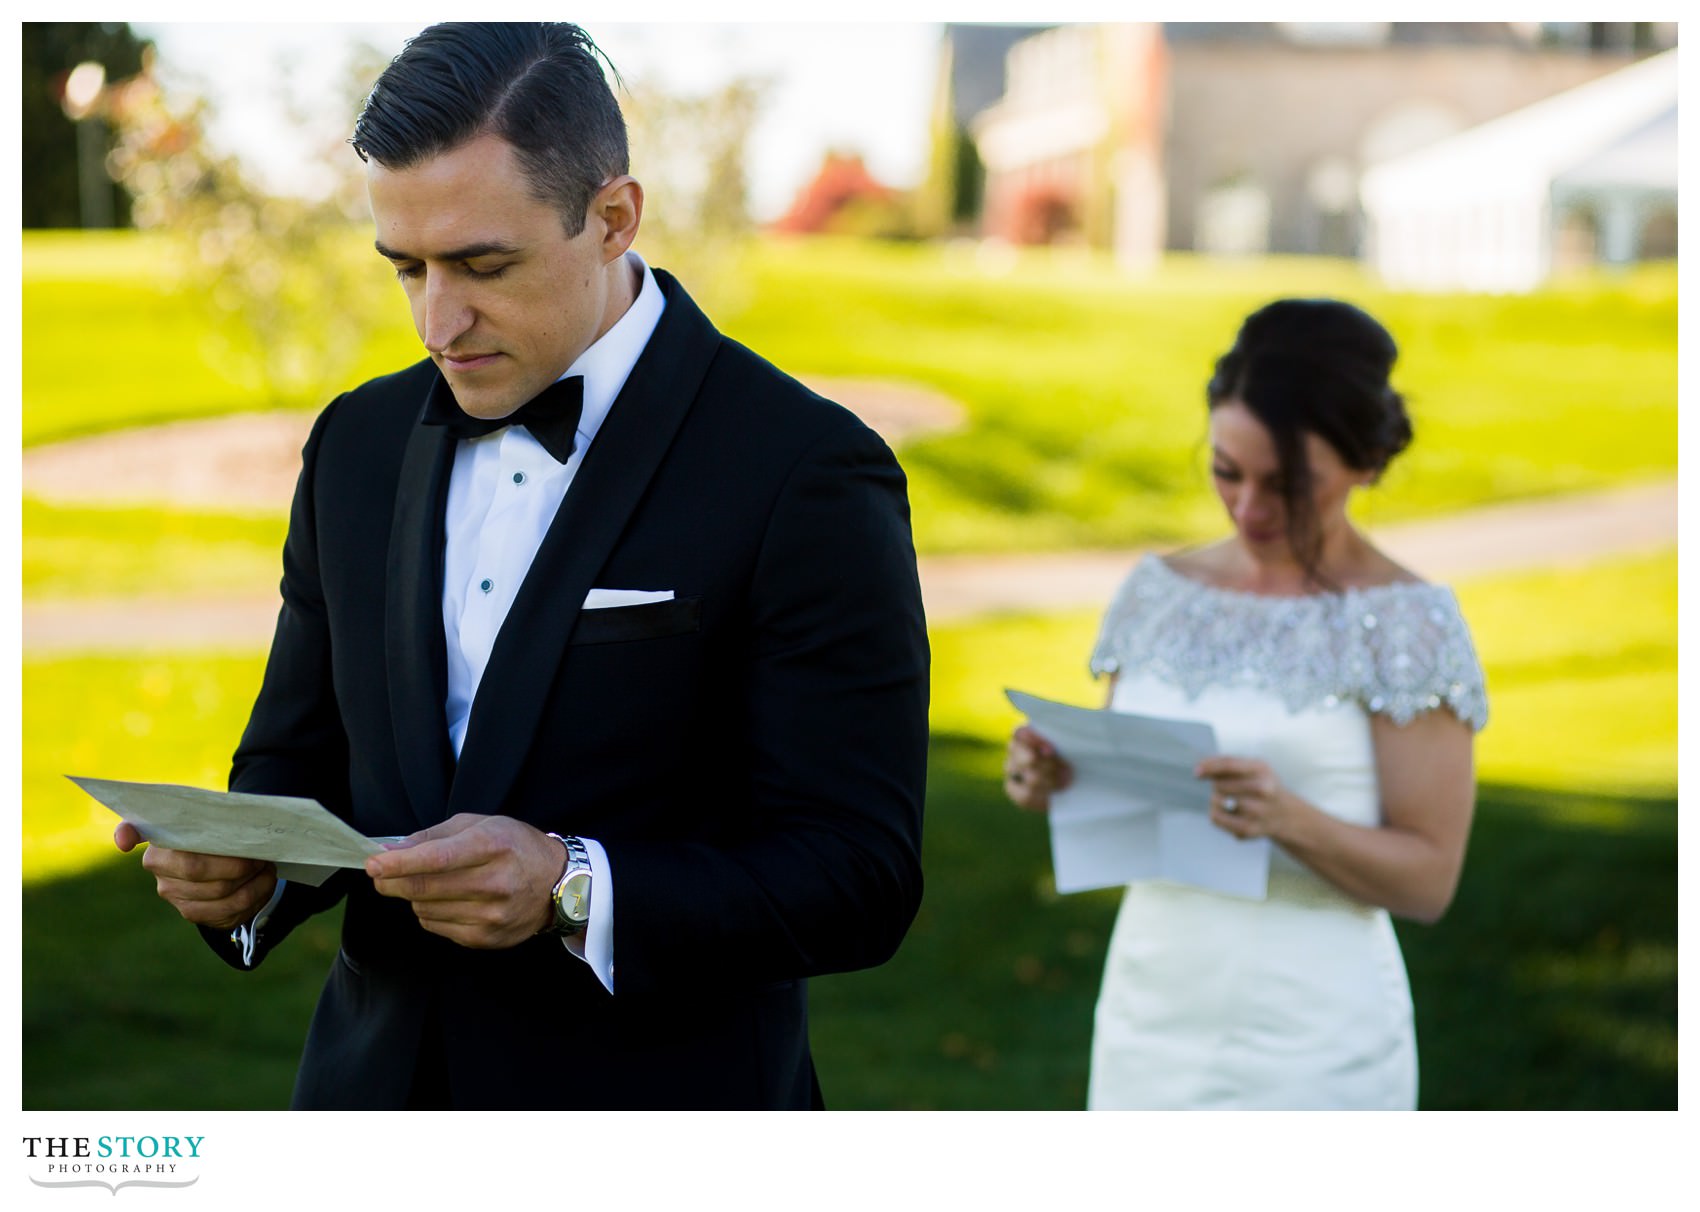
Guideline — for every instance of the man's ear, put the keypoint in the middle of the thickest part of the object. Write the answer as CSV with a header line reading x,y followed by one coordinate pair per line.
x,y
619,206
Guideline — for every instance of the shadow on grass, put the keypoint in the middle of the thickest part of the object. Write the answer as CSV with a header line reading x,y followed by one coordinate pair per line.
x,y
125,1007
1551,984
1552,981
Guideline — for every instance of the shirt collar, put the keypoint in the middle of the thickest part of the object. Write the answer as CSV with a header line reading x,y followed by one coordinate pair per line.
x,y
608,363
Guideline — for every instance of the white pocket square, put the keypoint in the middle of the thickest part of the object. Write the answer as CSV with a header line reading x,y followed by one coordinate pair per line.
x,y
602,599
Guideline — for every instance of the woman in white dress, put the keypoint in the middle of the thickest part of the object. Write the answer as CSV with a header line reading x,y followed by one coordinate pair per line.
x,y
1345,694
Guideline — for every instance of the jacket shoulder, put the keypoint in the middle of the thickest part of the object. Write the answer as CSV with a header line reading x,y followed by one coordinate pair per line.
x,y
388,402
406,386
779,406
743,390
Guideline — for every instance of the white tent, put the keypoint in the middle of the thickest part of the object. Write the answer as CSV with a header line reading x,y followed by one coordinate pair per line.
x,y
1481,210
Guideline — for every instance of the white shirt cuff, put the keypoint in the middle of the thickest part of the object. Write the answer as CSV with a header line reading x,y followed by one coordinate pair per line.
x,y
596,945
247,937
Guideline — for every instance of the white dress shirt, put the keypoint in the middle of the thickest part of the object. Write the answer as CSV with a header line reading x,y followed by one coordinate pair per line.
x,y
504,491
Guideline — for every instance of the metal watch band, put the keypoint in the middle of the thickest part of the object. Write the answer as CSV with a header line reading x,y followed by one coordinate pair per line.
x,y
577,863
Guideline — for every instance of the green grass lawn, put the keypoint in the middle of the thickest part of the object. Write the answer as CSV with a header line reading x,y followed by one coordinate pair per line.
x,y
1552,983
124,552
1083,386
114,337
167,718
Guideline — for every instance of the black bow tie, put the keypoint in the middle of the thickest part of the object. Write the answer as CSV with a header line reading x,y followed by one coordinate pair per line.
x,y
551,416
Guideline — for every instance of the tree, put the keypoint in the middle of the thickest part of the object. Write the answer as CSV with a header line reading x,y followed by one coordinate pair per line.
x,y
689,154
292,289
843,198
49,143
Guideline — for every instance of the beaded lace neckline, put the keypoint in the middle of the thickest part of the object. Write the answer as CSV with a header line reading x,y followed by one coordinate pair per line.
x,y
1163,565
1399,649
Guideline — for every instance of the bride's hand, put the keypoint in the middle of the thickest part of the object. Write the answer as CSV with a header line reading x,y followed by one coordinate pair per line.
x,y
1032,771
1246,798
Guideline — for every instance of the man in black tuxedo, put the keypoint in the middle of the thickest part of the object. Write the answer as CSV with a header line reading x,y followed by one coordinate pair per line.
x,y
639,669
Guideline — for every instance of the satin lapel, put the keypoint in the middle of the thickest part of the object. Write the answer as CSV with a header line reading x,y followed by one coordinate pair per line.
x,y
532,641
413,624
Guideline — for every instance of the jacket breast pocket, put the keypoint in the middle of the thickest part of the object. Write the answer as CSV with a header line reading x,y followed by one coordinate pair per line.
x,y
649,621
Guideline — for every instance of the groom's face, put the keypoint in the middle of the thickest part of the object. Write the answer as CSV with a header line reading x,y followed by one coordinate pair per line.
x,y
502,297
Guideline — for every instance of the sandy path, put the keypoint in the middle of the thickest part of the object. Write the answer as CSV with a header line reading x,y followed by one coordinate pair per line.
x,y
251,461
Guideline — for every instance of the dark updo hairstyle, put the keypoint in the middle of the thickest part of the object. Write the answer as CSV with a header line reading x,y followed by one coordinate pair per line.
x,y
1315,366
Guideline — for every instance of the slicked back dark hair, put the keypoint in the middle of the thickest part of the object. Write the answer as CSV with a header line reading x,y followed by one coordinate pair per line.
x,y
1315,366
537,85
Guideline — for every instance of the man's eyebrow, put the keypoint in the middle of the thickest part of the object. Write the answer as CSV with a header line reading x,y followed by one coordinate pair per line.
x,y
486,248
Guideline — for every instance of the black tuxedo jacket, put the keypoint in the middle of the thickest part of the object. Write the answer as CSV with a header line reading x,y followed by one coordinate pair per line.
x,y
750,754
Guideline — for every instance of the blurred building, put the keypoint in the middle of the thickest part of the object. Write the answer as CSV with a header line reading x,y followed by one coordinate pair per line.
x,y
1246,137
969,77
1074,147
1586,177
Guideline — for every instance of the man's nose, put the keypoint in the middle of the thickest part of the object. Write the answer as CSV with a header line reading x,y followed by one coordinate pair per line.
x,y
446,312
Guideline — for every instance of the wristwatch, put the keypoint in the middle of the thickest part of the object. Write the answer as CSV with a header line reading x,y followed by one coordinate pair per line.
x,y
572,891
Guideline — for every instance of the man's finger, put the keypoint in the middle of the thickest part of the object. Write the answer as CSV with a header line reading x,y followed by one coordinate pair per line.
x,y
459,823
436,883
216,887
127,837
432,856
193,892
471,925
428,850
472,913
220,904
420,889
479,882
190,866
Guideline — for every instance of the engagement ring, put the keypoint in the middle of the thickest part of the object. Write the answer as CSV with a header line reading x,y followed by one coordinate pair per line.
x,y
1230,804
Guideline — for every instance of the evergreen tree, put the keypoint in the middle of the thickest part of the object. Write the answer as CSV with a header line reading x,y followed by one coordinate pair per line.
x,y
50,50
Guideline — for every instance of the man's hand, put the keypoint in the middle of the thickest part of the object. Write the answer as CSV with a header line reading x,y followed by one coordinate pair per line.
x,y
480,881
207,889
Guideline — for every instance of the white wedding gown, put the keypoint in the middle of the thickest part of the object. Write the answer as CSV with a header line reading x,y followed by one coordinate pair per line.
x,y
1299,1000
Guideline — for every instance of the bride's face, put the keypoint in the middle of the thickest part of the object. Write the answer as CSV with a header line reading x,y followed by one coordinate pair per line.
x,y
1247,472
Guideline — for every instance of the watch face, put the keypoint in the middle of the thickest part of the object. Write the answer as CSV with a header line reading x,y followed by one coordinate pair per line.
x,y
575,897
